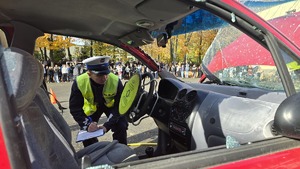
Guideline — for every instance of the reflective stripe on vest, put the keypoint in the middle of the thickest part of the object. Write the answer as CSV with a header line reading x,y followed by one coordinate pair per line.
x,y
109,91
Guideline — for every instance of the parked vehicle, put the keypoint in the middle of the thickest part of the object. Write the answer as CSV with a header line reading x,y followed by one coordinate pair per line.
x,y
243,113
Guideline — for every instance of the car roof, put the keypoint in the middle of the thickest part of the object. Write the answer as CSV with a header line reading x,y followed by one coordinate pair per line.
x,y
111,21
123,23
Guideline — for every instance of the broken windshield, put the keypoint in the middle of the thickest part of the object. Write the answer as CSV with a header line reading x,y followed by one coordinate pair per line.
x,y
236,59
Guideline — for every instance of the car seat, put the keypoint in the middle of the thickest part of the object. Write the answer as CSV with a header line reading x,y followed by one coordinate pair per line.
x,y
46,133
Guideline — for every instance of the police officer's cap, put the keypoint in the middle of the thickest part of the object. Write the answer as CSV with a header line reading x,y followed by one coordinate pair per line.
x,y
98,64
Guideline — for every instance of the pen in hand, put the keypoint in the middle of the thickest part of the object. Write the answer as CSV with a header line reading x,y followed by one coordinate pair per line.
x,y
90,119
93,127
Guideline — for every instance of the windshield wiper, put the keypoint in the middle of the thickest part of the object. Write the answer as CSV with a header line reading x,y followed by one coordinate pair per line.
x,y
212,78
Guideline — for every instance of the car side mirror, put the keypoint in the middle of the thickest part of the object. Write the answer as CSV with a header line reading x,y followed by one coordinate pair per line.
x,y
287,117
162,40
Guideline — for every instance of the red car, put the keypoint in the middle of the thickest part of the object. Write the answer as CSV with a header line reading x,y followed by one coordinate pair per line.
x,y
243,113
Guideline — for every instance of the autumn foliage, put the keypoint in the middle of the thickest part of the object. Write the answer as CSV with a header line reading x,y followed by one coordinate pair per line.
x,y
187,47
55,43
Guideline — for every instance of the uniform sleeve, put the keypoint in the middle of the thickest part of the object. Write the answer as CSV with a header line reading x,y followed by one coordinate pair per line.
x,y
114,111
76,102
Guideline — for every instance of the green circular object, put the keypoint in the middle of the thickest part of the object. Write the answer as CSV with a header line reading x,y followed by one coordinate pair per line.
x,y
129,94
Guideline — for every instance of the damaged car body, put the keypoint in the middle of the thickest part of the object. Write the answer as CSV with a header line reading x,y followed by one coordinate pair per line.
x,y
243,112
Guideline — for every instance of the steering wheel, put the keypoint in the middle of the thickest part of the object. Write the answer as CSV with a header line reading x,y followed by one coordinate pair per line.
x,y
134,100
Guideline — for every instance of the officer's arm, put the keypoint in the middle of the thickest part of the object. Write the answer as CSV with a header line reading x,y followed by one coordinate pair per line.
x,y
76,102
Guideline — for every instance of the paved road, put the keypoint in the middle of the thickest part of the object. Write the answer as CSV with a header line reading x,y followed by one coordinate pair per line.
x,y
145,132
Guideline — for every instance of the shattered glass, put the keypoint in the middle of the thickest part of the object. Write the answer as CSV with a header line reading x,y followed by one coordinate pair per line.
x,y
231,142
237,60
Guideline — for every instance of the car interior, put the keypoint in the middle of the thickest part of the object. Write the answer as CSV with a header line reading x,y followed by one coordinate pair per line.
x,y
199,124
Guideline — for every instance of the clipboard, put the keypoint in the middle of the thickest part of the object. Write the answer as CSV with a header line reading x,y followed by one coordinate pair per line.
x,y
84,135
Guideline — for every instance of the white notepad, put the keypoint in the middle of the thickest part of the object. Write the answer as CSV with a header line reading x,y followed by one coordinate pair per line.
x,y
84,135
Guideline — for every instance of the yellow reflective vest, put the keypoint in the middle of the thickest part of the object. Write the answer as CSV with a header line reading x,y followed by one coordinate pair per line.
x,y
109,91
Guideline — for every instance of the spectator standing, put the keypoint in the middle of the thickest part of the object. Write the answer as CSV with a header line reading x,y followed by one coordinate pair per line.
x,y
64,71
139,68
120,70
76,71
194,71
45,72
200,73
173,69
182,70
177,69
127,71
56,70
187,69
50,74
70,72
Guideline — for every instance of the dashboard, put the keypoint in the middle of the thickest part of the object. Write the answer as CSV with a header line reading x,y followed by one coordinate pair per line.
x,y
196,118
176,103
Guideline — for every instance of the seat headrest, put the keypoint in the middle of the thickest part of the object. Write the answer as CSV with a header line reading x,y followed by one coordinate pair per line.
x,y
23,74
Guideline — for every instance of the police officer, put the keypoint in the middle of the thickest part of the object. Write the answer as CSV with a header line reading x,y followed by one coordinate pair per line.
x,y
96,92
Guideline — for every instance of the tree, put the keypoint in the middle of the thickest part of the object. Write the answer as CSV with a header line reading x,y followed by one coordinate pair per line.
x,y
59,55
68,44
101,49
193,45
42,43
53,43
200,42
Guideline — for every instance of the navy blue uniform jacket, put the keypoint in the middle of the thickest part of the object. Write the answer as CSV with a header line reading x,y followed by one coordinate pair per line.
x,y
76,103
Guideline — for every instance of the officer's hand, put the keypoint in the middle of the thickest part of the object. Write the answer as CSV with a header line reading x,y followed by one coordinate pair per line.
x,y
93,127
104,128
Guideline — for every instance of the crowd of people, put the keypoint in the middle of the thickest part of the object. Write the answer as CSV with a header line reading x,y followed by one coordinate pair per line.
x,y
184,70
68,71
64,73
